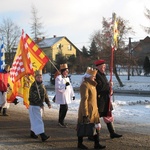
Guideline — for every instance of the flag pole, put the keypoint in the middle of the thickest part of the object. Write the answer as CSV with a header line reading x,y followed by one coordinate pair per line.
x,y
56,68
54,65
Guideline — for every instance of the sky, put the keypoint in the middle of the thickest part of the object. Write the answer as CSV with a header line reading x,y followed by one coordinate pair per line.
x,y
76,19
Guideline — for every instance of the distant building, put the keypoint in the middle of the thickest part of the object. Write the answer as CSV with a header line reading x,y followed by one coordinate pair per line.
x,y
141,50
56,45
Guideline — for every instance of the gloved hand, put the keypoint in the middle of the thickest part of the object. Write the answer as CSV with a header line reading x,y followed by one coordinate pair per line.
x,y
73,98
67,83
98,126
86,119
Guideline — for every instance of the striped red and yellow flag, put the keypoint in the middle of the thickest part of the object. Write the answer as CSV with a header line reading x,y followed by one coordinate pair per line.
x,y
22,62
29,58
37,56
38,60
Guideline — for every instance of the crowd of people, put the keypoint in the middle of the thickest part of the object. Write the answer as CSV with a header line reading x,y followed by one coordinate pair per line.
x,y
95,93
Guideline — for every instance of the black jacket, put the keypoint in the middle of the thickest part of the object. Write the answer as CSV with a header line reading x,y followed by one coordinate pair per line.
x,y
103,94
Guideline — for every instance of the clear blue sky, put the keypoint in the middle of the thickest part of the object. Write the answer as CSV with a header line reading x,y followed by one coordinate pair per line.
x,y
76,19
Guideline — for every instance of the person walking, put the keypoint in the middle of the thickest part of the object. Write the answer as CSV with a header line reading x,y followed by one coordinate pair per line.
x,y
103,97
64,93
4,105
37,97
88,110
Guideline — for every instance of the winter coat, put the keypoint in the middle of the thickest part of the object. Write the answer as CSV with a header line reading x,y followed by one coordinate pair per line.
x,y
88,104
3,89
103,91
64,94
34,97
3,81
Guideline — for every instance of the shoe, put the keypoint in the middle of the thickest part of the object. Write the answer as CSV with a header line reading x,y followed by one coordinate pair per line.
x,y
5,112
115,135
15,101
44,137
81,146
99,146
62,125
32,135
5,115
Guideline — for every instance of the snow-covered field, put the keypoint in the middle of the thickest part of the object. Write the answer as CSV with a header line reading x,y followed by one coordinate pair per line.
x,y
134,109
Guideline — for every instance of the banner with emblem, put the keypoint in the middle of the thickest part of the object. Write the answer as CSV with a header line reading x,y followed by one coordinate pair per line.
x,y
29,57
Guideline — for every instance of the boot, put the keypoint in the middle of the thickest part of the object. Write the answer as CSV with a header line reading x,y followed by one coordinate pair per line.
x,y
5,112
80,145
97,145
44,137
112,131
32,135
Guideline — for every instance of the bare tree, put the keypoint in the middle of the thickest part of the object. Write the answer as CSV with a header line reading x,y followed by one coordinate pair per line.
x,y
11,33
36,25
103,38
147,15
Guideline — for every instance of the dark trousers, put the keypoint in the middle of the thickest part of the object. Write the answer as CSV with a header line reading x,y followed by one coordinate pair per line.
x,y
62,112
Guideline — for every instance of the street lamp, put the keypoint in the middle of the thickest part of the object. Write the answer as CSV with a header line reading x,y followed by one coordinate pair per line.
x,y
129,58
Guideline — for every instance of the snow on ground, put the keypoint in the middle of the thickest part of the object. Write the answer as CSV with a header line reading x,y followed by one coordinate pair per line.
x,y
135,109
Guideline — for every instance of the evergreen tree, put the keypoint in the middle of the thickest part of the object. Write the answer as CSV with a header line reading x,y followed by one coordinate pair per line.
x,y
85,52
146,66
93,50
60,59
72,63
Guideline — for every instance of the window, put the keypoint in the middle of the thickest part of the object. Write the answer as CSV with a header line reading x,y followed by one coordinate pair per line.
x,y
59,46
70,47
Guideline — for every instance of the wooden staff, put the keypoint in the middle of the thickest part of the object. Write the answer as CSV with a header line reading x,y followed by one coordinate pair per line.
x,y
113,48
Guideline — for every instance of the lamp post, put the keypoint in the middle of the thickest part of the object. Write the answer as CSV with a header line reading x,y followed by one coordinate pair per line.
x,y
129,60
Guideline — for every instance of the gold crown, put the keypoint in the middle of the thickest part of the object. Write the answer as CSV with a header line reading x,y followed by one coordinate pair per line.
x,y
37,72
91,71
63,66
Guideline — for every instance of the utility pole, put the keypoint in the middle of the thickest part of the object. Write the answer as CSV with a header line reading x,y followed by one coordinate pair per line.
x,y
129,60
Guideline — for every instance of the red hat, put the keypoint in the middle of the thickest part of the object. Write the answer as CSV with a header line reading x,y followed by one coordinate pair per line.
x,y
99,62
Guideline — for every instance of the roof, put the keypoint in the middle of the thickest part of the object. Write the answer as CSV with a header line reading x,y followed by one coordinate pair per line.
x,y
48,42
144,41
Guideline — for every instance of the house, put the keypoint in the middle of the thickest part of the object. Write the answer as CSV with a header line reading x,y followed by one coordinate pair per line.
x,y
56,45
141,50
